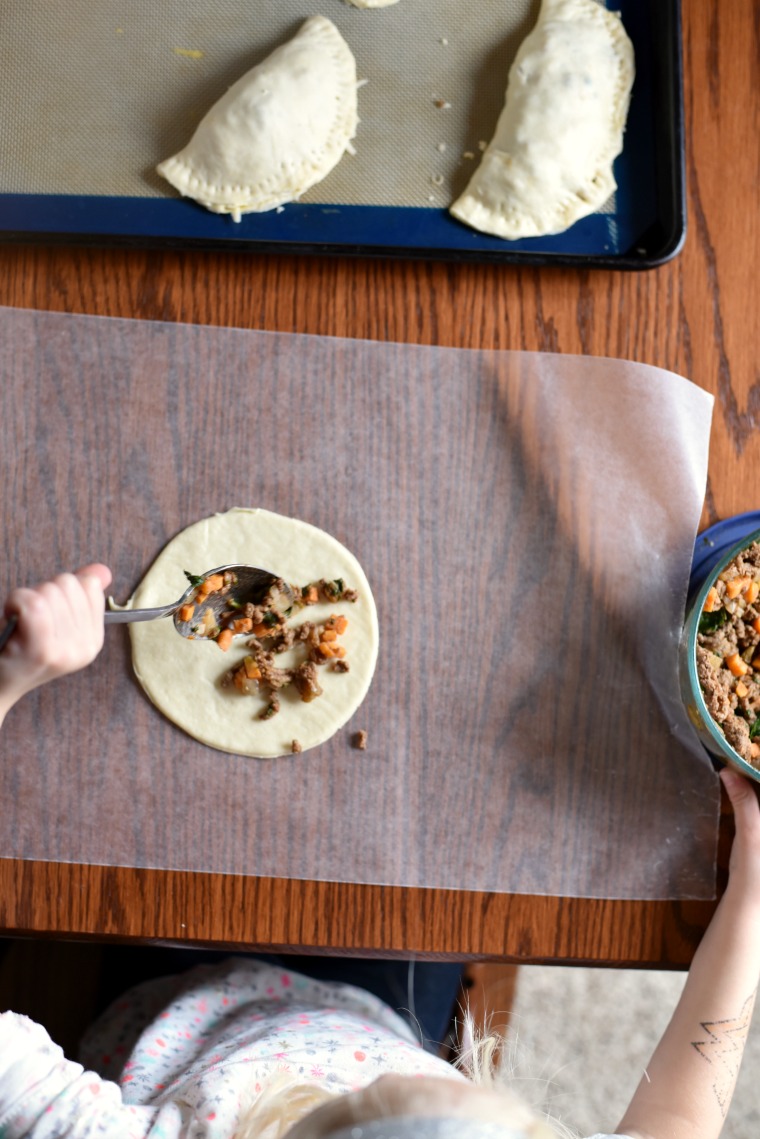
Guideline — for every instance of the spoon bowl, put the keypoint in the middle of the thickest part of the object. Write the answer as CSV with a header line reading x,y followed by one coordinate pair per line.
x,y
250,585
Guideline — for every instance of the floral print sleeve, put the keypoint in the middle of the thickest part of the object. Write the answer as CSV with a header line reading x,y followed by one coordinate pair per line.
x,y
44,1096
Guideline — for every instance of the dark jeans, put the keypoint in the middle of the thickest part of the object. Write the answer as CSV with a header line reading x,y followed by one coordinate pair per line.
x,y
422,992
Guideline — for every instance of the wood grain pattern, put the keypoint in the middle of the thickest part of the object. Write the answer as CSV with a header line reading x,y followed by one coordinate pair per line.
x,y
696,316
114,903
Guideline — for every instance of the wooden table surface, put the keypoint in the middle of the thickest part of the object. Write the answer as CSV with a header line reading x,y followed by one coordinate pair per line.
x,y
696,316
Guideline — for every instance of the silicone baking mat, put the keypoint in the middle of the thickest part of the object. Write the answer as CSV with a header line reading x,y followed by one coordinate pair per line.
x,y
94,96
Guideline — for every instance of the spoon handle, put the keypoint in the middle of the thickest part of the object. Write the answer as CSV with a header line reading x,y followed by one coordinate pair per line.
x,y
122,616
110,617
7,632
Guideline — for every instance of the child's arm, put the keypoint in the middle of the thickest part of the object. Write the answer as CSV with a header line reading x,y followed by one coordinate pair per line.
x,y
688,1085
42,1094
59,629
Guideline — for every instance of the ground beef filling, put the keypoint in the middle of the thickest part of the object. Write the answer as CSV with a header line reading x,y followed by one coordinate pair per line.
x,y
259,670
728,653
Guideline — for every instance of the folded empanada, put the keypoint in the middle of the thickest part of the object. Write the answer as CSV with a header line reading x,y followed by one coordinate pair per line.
x,y
278,131
550,160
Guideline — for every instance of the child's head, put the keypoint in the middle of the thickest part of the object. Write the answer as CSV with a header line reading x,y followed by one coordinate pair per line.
x,y
393,1107
481,1106
404,1107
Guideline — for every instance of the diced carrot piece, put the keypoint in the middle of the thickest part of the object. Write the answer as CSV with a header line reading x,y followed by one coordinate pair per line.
x,y
329,635
754,750
310,596
224,640
756,624
242,625
740,688
326,650
338,651
752,591
737,666
712,601
734,588
252,670
265,630
213,583
186,611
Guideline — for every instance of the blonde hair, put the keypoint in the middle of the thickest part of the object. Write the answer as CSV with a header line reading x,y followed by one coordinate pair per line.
x,y
497,1062
278,1106
488,1061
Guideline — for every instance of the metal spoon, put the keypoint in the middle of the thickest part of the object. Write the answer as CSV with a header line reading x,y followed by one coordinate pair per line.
x,y
252,585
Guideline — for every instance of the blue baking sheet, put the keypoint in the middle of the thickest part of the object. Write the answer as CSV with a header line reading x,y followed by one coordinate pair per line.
x,y
380,226
641,229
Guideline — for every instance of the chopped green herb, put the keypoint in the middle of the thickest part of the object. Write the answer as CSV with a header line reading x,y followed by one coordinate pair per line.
x,y
233,604
709,622
270,619
333,590
754,728
194,580
288,611
270,710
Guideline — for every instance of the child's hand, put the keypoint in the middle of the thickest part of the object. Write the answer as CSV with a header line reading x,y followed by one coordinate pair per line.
x,y
744,866
59,630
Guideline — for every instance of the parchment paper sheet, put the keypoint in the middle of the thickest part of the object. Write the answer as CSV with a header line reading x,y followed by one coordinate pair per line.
x,y
527,523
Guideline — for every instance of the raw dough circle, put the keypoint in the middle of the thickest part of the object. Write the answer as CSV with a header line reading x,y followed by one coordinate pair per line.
x,y
182,677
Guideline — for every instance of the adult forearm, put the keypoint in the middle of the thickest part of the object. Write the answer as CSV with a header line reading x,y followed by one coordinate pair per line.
x,y
690,1079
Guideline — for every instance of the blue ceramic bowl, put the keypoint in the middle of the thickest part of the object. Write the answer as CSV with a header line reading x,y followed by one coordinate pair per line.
x,y
708,731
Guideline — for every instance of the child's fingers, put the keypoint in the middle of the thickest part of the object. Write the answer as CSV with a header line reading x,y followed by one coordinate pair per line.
x,y
55,634
59,629
94,579
19,599
60,622
101,573
76,602
35,620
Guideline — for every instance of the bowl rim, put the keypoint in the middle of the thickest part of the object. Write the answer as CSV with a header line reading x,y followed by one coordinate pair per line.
x,y
696,605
